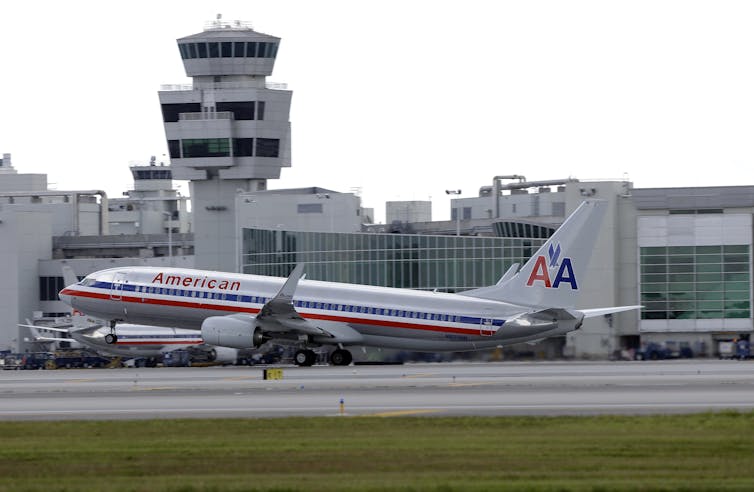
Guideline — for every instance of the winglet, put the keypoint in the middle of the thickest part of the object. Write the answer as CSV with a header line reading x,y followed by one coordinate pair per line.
x,y
290,285
283,300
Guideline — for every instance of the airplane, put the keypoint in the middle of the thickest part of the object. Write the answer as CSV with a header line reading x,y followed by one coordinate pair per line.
x,y
135,341
244,311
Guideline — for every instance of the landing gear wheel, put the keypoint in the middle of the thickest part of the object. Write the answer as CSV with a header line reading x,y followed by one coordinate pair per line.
x,y
111,338
340,357
305,358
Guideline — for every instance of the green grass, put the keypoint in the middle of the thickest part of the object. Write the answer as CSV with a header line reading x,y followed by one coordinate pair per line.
x,y
687,452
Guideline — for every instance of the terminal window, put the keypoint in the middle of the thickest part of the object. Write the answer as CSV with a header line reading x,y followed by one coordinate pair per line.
x,y
695,282
49,288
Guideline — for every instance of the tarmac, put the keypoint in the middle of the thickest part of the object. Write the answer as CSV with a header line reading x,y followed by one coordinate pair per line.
x,y
445,389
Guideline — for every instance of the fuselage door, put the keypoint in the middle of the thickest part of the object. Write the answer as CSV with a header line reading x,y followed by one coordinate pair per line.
x,y
486,327
116,289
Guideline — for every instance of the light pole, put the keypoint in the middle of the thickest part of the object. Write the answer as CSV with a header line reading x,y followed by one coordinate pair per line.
x,y
458,211
169,215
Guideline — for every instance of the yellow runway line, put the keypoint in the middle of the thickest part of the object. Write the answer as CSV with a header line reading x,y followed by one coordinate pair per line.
x,y
401,413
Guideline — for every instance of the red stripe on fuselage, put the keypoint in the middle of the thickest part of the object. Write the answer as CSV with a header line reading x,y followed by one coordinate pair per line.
x,y
241,309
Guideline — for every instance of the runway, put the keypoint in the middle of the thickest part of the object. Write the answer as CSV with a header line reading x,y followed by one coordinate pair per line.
x,y
488,389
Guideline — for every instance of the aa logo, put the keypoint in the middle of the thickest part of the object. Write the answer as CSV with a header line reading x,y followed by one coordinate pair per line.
x,y
543,268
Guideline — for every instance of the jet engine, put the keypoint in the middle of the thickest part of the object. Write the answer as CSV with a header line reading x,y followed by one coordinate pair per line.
x,y
232,331
223,355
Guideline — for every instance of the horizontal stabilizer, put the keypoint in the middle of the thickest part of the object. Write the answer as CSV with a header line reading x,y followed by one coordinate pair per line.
x,y
592,313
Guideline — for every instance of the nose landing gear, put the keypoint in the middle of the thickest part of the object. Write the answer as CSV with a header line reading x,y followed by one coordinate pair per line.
x,y
111,338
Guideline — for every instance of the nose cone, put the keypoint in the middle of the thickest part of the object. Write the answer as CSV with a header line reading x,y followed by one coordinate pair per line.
x,y
66,295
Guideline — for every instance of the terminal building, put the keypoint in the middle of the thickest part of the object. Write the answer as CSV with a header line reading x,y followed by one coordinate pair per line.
x,y
682,253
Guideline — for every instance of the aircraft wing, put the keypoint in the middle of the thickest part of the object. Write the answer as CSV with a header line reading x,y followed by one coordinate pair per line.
x,y
48,328
38,337
279,313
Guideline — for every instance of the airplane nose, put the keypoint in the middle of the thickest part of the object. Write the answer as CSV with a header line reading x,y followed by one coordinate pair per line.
x,y
65,296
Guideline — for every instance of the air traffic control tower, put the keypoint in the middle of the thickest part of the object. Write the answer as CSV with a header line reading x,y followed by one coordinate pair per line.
x,y
228,132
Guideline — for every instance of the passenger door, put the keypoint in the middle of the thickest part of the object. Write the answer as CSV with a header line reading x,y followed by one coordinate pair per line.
x,y
116,288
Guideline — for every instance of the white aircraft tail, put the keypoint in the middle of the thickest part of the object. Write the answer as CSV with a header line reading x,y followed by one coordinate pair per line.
x,y
553,276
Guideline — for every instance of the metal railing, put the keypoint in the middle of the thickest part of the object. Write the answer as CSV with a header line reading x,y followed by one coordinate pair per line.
x,y
281,86
218,115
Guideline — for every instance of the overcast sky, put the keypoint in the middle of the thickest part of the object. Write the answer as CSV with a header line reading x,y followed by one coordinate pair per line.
x,y
403,99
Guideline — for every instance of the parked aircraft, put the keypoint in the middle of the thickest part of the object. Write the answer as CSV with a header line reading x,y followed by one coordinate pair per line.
x,y
133,341
238,310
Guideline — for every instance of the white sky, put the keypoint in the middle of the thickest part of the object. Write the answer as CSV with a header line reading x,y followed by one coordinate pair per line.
x,y
403,99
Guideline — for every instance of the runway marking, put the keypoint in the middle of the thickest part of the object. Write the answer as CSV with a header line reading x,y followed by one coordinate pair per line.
x,y
158,388
79,380
401,413
240,378
422,375
460,385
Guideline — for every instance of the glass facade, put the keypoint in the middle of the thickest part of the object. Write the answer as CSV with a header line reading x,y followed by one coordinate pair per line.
x,y
695,282
445,263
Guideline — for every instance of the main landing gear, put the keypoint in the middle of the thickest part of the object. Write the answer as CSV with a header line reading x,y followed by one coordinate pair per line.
x,y
340,357
307,358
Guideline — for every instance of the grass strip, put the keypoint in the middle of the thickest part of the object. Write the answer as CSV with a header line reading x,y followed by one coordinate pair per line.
x,y
708,451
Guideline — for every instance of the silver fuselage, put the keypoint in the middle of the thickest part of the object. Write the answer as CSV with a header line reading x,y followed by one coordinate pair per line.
x,y
384,317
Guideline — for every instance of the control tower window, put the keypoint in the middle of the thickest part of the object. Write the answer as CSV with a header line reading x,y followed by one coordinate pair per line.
x,y
171,112
240,110
260,110
268,147
184,51
251,50
243,147
201,49
239,49
205,147
174,148
214,50
227,49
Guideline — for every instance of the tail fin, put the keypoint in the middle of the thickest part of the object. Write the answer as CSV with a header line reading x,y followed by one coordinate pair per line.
x,y
69,276
551,278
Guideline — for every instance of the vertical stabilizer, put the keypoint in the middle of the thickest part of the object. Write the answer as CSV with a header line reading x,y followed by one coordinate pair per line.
x,y
553,276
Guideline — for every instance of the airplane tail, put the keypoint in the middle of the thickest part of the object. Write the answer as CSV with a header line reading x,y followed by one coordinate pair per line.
x,y
553,276
69,276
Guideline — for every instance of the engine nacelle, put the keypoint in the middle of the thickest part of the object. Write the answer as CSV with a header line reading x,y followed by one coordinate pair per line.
x,y
229,331
223,355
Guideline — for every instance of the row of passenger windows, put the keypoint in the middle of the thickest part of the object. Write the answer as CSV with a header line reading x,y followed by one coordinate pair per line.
x,y
221,147
300,304
242,110
228,49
